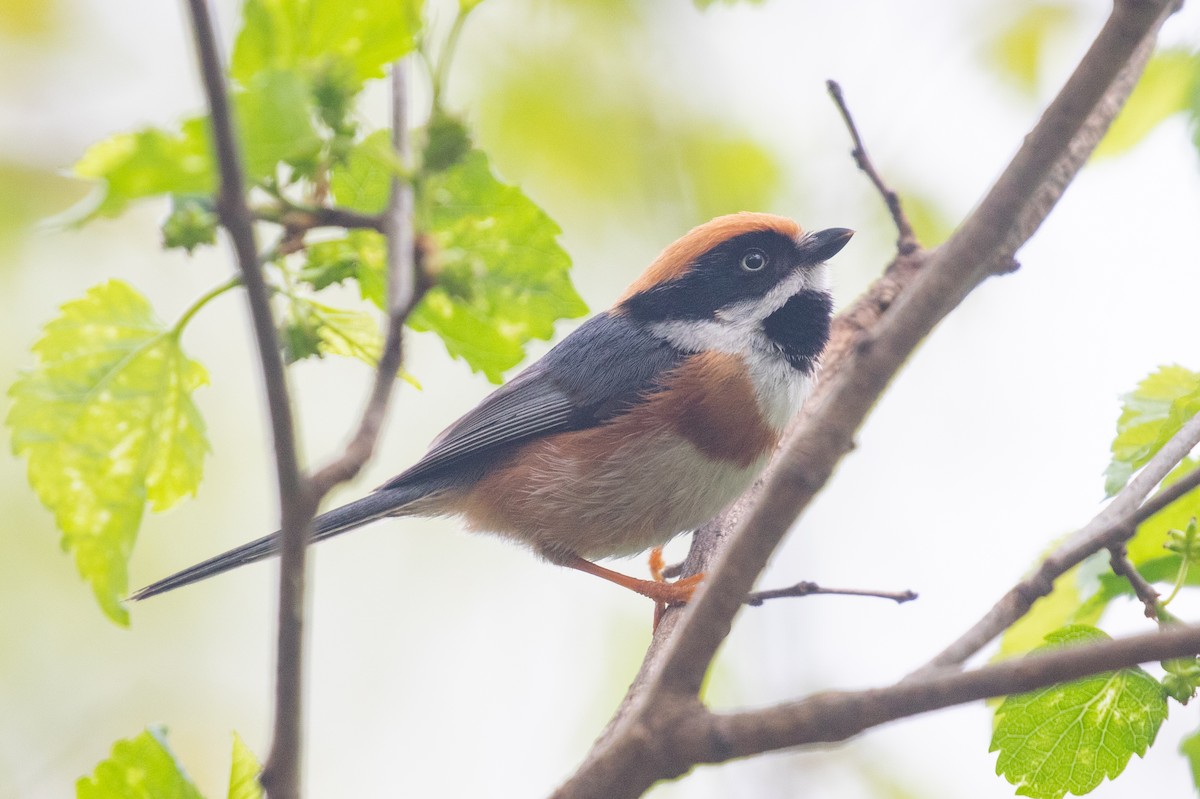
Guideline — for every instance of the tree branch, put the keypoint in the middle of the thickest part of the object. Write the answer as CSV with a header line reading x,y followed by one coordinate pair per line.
x,y
1111,527
926,290
396,225
806,588
1122,566
836,716
281,775
906,239
298,217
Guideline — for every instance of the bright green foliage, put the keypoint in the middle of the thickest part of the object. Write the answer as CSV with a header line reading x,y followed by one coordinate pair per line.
x,y
1020,47
243,776
364,181
359,255
1190,748
1167,87
364,35
315,329
1151,414
107,422
192,222
275,122
1150,543
1067,738
501,277
148,163
139,768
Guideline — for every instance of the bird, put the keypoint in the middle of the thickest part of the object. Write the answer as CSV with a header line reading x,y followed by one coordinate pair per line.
x,y
643,423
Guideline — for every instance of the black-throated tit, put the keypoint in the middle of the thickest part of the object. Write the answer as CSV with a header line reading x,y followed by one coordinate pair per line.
x,y
645,422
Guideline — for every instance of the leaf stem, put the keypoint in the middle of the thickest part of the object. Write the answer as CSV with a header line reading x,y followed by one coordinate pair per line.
x,y
446,56
204,299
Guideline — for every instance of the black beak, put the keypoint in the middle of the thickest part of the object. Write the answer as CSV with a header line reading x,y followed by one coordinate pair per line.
x,y
824,244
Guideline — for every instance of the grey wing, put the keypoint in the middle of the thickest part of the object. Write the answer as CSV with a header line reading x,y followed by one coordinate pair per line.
x,y
600,371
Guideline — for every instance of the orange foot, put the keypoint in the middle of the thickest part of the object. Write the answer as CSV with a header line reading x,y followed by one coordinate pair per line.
x,y
662,592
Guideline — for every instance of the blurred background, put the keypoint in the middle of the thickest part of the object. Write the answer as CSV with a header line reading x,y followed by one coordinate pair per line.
x,y
444,664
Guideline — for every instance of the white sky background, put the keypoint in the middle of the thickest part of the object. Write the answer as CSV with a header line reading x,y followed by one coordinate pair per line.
x,y
452,665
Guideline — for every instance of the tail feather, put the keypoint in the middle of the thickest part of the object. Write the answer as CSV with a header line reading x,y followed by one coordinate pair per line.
x,y
327,525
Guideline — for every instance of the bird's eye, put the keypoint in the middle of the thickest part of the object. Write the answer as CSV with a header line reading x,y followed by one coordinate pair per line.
x,y
754,261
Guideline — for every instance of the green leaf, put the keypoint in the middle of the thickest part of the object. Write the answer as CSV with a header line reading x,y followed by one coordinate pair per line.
x,y
148,163
1190,748
275,123
1166,88
1067,738
363,181
501,279
107,422
359,255
364,35
139,768
1150,416
338,331
243,776
1019,49
1152,536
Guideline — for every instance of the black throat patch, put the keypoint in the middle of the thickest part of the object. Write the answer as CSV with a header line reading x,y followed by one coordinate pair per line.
x,y
801,328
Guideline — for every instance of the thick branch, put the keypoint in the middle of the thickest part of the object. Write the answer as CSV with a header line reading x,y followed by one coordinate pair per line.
x,y
281,775
836,716
682,733
396,225
984,244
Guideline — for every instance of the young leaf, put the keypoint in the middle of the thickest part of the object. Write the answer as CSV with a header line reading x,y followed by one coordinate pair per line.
x,y
363,181
1152,536
243,776
1067,738
501,278
1166,87
1190,748
148,163
363,34
275,122
359,255
1152,413
139,768
333,331
107,422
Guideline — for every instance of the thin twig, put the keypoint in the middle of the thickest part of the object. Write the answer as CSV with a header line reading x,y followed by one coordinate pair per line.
x,y
806,588
1123,567
402,297
906,239
304,218
281,775
1112,526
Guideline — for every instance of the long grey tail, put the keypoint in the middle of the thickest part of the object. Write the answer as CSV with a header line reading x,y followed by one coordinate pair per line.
x,y
327,525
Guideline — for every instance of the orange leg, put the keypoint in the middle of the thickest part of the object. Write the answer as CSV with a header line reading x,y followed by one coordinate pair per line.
x,y
676,593
657,564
